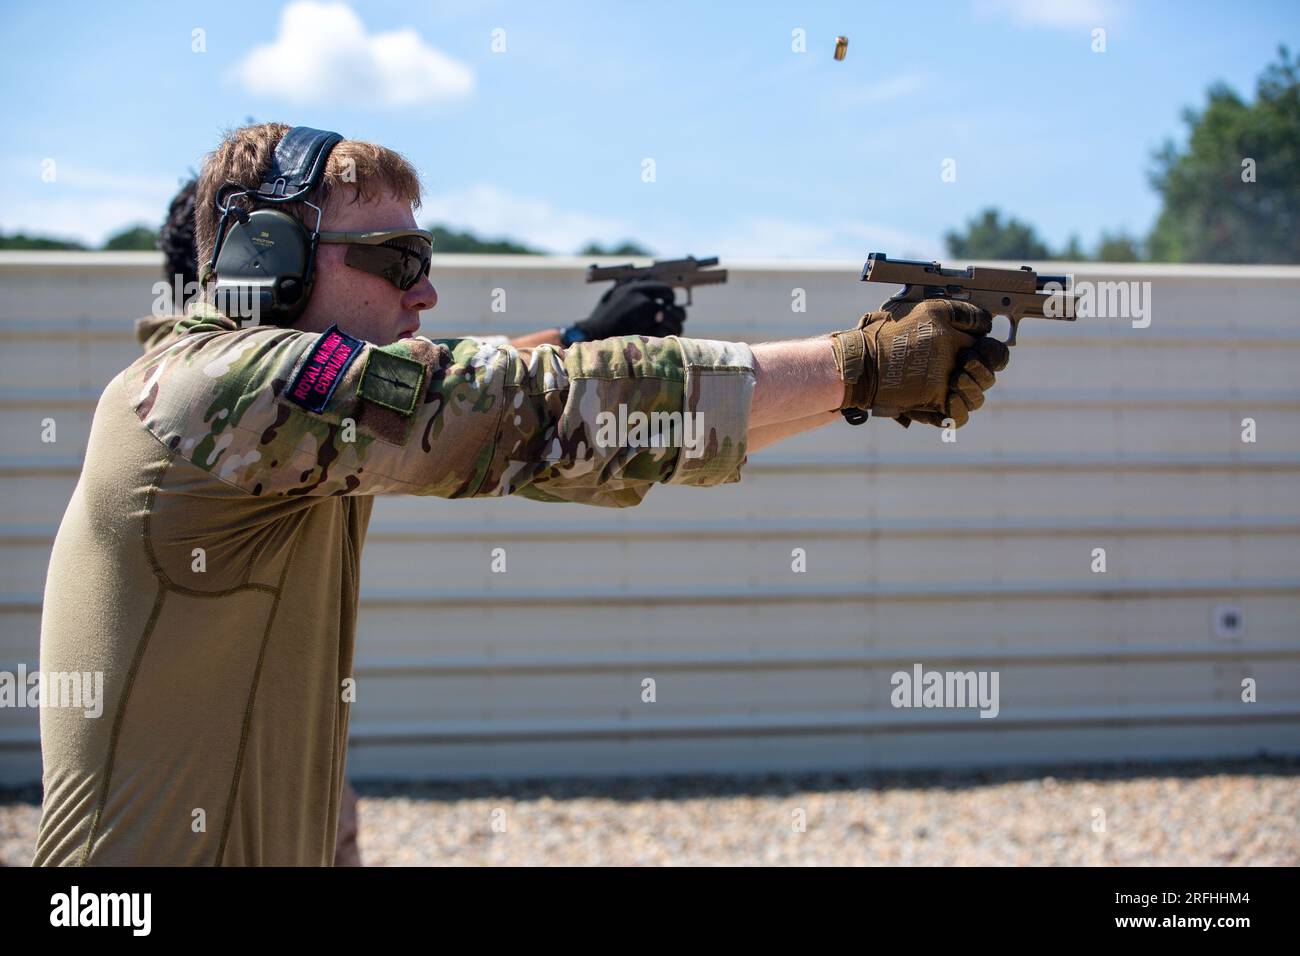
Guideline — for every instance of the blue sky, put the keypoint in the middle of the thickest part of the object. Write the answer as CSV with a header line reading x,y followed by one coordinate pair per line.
x,y
759,151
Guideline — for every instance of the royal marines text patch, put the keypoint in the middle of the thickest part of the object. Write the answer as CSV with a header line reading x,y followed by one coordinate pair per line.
x,y
329,358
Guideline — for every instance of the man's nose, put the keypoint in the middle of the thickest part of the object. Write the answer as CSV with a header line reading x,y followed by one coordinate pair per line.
x,y
420,296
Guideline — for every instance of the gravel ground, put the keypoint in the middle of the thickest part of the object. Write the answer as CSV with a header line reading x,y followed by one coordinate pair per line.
x,y
1222,812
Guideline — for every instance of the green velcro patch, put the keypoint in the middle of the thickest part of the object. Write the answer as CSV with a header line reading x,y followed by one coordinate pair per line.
x,y
393,381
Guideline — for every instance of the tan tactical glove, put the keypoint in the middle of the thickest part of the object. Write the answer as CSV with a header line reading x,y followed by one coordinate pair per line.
x,y
927,360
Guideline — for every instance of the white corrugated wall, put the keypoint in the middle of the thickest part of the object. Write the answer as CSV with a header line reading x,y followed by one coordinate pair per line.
x,y
973,555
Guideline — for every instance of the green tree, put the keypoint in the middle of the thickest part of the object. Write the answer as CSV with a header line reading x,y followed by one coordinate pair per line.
x,y
19,240
626,248
1233,194
1073,251
447,240
1120,247
987,237
133,238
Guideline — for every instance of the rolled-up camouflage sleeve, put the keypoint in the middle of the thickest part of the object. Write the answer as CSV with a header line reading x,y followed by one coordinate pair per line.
x,y
282,412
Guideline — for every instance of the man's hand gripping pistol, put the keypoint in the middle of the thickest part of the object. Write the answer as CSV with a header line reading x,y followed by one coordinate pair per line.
x,y
926,354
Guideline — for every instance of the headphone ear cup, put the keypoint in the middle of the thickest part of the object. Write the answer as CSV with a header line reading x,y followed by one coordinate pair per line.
x,y
266,262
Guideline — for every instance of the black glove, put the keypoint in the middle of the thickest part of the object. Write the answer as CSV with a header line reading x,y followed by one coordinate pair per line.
x,y
634,307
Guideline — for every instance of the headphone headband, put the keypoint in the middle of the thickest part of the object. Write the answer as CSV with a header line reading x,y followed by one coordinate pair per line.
x,y
298,164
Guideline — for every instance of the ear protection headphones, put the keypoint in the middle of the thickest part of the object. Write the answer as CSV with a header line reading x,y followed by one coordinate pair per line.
x,y
265,262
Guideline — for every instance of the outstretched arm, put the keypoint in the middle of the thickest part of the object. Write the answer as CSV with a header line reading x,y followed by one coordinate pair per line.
x,y
794,381
766,435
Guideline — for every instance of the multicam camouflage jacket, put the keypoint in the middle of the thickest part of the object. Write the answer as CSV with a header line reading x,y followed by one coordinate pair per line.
x,y
281,412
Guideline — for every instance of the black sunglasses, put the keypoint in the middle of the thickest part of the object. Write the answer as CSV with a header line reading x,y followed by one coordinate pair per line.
x,y
399,255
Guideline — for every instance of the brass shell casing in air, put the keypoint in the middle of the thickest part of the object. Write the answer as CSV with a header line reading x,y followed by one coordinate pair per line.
x,y
841,47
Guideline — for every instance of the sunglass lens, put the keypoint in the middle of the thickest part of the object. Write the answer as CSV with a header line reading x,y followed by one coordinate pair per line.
x,y
415,260
400,261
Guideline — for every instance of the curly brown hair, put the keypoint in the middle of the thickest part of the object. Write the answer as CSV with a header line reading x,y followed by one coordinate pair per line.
x,y
176,238
244,156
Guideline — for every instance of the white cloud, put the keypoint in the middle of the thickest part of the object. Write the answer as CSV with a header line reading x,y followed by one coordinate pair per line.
x,y
890,88
90,204
786,239
1063,14
323,55
491,213
89,220
83,203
